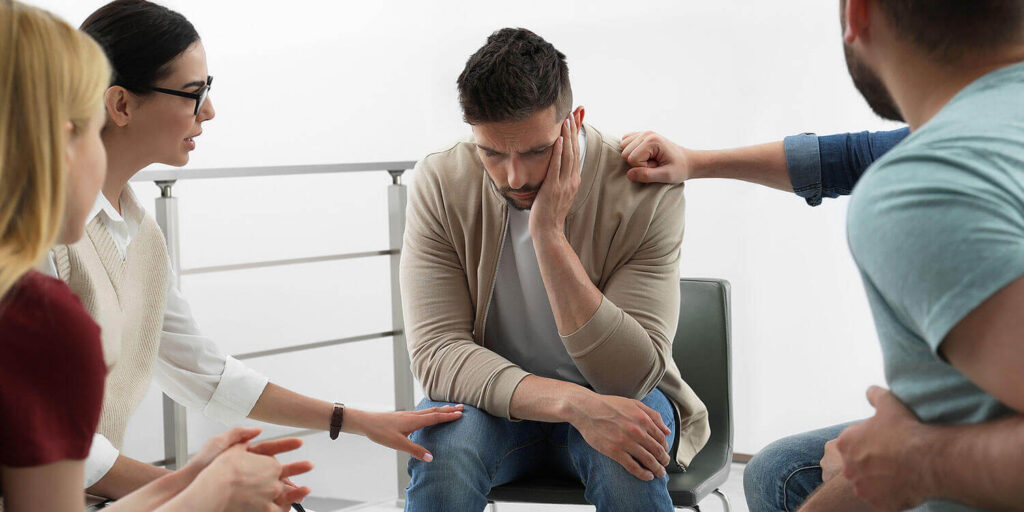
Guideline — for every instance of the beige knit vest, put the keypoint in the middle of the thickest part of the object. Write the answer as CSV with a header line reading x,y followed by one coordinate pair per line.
x,y
126,297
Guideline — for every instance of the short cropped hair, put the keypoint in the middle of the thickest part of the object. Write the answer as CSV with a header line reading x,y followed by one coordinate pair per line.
x,y
515,74
951,30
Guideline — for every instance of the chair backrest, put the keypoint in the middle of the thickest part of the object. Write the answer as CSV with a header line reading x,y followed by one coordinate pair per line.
x,y
701,350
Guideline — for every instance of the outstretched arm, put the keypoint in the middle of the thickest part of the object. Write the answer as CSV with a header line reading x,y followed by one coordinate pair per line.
x,y
813,167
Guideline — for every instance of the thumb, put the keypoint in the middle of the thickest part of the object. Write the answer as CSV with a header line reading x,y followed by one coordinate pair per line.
x,y
648,174
876,395
881,398
239,435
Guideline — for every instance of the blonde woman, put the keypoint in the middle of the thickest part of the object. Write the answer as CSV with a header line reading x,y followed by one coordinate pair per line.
x,y
52,164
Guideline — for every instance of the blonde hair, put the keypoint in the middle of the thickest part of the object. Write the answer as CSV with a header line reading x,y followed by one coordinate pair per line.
x,y
50,74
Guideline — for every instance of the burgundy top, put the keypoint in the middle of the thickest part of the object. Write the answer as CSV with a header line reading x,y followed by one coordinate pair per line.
x,y
51,374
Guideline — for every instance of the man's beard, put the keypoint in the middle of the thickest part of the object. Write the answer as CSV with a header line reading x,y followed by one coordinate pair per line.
x,y
871,87
519,204
507,191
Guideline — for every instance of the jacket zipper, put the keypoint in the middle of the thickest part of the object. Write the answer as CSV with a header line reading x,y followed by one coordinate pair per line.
x,y
494,277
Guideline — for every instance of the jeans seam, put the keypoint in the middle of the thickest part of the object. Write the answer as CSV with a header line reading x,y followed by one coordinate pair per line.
x,y
785,495
494,473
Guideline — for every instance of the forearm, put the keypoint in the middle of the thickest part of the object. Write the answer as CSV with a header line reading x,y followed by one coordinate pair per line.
x,y
763,164
548,400
158,492
126,476
615,352
836,494
977,465
55,486
574,299
282,406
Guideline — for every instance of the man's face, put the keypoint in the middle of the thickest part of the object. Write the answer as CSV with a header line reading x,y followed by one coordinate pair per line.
x,y
867,81
516,154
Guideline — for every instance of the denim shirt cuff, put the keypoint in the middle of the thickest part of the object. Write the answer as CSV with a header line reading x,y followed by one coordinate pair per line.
x,y
803,161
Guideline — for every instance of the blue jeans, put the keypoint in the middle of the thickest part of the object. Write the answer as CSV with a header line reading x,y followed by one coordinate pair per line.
x,y
480,451
785,473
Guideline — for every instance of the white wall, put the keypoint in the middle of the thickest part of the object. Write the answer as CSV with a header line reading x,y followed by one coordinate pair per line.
x,y
323,81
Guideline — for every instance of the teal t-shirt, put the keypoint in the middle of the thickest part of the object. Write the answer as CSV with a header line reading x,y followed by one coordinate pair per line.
x,y
936,227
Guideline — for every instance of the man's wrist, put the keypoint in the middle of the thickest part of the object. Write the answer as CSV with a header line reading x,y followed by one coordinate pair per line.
x,y
700,163
925,452
547,237
574,404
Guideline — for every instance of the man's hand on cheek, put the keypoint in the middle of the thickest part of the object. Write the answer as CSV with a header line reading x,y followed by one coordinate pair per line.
x,y
557,192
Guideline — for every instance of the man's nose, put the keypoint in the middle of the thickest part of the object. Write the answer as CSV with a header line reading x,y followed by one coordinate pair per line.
x,y
517,177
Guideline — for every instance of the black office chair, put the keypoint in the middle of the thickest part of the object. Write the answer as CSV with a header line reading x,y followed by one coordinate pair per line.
x,y
701,350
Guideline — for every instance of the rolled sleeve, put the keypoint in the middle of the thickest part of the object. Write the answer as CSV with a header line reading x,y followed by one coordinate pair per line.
x,y
803,161
102,456
239,389
194,372
598,329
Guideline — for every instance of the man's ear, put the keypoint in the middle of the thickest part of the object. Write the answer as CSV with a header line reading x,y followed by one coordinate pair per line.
x,y
578,115
120,104
856,15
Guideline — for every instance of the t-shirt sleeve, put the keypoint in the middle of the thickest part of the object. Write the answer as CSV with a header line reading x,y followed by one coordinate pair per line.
x,y
937,233
51,375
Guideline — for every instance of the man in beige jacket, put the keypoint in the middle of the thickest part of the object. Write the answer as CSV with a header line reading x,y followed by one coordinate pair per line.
x,y
540,289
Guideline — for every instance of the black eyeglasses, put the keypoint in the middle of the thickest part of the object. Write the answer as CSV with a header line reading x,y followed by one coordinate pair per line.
x,y
200,96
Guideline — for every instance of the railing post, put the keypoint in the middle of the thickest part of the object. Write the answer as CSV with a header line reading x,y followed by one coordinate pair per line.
x,y
175,425
404,398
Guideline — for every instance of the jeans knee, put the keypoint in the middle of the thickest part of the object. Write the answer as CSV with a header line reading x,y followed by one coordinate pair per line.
x,y
466,430
782,475
611,487
459,447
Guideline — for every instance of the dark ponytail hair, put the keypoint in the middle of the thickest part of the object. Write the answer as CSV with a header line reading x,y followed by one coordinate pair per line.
x,y
140,38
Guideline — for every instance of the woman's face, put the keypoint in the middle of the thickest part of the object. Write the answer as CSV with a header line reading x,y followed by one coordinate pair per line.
x,y
167,123
87,168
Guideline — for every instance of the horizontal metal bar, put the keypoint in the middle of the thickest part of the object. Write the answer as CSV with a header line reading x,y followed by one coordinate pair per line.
x,y
319,344
280,170
293,261
294,433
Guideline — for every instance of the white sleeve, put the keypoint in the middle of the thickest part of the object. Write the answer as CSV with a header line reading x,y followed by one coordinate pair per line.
x,y
102,456
195,373
49,267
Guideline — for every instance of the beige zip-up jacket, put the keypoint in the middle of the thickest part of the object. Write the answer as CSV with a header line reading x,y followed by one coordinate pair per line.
x,y
626,235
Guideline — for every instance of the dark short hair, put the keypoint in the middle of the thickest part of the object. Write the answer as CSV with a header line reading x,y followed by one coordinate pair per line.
x,y
140,38
515,74
950,30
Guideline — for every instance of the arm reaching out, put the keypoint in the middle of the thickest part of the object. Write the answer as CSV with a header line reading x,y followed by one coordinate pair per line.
x,y
813,167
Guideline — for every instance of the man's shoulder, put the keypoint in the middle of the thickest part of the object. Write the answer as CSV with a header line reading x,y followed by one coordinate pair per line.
x,y
611,183
453,164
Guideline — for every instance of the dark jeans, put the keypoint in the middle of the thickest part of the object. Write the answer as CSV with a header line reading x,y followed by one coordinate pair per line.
x,y
480,451
782,475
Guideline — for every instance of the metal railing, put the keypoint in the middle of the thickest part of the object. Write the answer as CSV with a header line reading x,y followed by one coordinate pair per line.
x,y
175,426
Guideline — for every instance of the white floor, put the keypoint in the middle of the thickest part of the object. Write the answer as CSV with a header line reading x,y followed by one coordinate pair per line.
x,y
354,474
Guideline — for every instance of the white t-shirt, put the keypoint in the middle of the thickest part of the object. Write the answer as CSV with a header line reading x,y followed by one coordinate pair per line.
x,y
520,325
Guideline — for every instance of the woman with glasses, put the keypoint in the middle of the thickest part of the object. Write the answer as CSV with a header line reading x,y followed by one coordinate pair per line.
x,y
156,107
52,164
